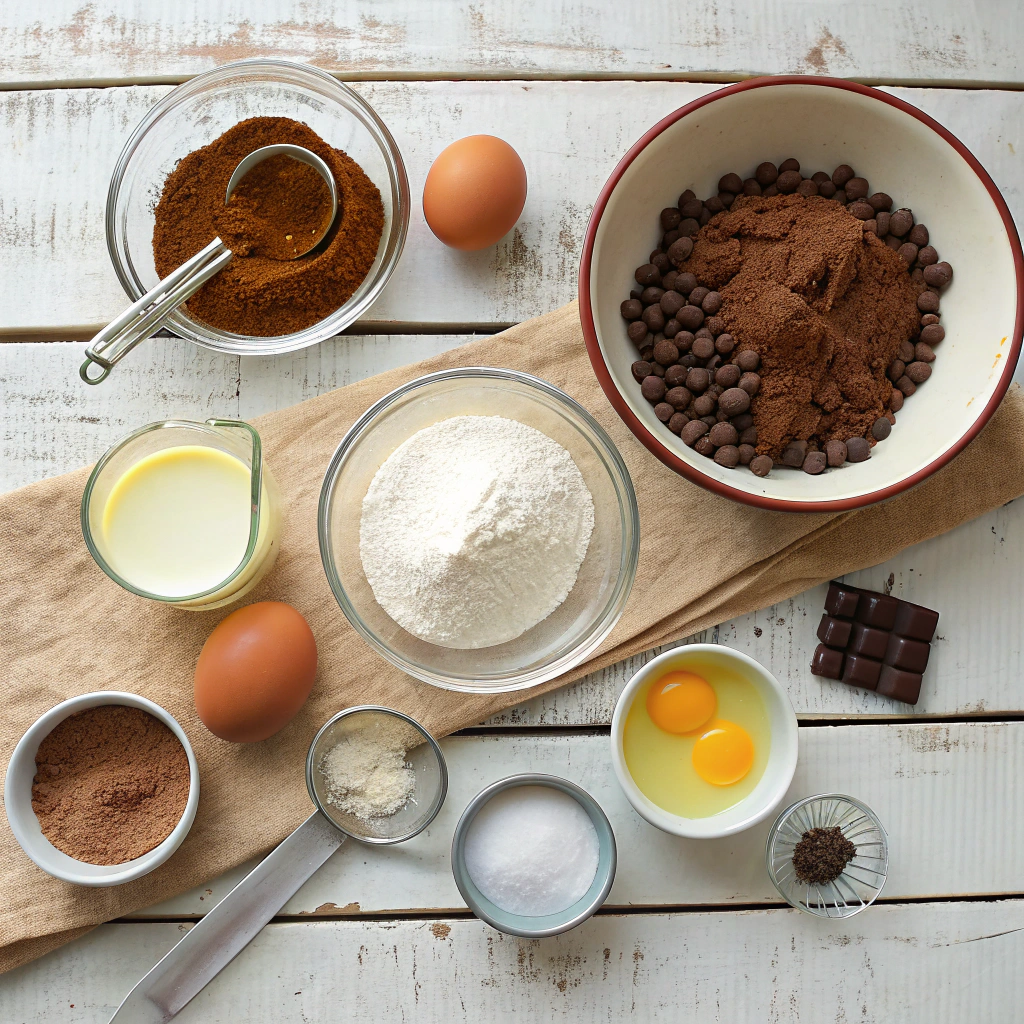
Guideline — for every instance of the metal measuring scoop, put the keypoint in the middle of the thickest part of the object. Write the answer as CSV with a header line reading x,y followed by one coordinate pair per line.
x,y
227,929
144,318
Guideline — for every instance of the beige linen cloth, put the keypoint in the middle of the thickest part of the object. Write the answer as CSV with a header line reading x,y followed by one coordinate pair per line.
x,y
67,629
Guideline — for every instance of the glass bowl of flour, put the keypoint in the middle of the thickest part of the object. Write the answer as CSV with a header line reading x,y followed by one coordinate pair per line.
x,y
479,530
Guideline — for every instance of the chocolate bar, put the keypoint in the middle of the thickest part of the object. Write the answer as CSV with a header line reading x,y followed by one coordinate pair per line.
x,y
874,641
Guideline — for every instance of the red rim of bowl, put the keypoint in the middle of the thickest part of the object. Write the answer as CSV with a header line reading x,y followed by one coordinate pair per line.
x,y
656,447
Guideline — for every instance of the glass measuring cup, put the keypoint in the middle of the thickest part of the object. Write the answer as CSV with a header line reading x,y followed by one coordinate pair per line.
x,y
227,929
233,437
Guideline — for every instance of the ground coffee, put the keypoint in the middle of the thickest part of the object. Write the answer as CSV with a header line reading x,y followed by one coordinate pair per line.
x,y
825,304
256,294
111,783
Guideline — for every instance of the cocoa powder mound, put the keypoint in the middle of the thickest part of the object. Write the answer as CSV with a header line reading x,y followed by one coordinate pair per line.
x,y
254,294
111,784
824,303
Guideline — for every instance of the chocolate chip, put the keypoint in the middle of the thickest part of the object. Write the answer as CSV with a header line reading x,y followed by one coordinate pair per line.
x,y
657,369
923,352
905,352
666,353
748,360
901,222
807,188
671,303
814,463
678,252
661,261
667,239
766,174
711,303
691,206
857,449
857,188
734,401
728,456
749,436
705,405
919,235
750,383
882,221
792,164
896,400
672,328
647,353
705,216
714,205
654,318
788,181
648,274
728,376
693,432
678,397
640,369
881,429
746,453
651,294
794,454
840,197
761,465
724,344
932,334
751,187
691,317
631,309
742,421
861,209
670,218
675,376
819,178
677,422
653,388
637,332
771,190
880,201
664,411
907,252
835,453
841,175
906,385
870,225
919,372
827,189
705,448
689,227
715,325
724,433
927,255
730,183
703,348
685,282
698,380
928,302
938,275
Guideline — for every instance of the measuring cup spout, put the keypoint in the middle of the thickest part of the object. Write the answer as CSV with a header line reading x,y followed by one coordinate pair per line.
x,y
144,318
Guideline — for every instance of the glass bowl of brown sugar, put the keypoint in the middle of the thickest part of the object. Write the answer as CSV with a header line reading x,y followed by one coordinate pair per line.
x,y
200,111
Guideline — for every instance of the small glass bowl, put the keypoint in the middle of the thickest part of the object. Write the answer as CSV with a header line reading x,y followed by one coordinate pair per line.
x,y
203,108
572,631
862,879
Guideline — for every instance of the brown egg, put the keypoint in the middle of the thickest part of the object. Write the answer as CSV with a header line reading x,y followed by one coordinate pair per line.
x,y
475,192
255,672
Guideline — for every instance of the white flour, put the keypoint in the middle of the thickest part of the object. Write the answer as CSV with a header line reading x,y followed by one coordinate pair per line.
x,y
473,531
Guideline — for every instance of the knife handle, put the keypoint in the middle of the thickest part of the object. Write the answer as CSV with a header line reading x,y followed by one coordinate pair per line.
x,y
229,927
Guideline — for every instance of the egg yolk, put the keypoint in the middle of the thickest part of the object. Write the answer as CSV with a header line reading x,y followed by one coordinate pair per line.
x,y
723,754
681,702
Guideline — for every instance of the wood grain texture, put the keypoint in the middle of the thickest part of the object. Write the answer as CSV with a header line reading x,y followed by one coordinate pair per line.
x,y
912,776
57,278
53,423
916,964
115,40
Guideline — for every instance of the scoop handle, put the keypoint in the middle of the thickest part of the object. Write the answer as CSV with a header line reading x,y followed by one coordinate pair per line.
x,y
144,318
232,924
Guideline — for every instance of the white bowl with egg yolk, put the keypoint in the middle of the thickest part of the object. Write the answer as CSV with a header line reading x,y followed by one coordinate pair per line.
x,y
778,771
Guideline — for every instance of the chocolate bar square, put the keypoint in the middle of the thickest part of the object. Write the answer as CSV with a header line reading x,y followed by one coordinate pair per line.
x,y
827,662
909,655
868,641
861,671
834,632
916,622
900,685
842,600
878,610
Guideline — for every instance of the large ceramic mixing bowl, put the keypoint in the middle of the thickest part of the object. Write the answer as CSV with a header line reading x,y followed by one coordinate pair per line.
x,y
574,630
823,123
205,107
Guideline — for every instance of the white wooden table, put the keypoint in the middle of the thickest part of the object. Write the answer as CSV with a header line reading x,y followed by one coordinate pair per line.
x,y
692,931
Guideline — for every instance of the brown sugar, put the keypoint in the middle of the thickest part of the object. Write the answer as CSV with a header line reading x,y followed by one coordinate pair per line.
x,y
255,294
111,784
824,303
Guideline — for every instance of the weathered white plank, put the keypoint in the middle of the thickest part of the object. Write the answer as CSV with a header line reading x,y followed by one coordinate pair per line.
x,y
898,42
951,785
54,264
917,964
52,423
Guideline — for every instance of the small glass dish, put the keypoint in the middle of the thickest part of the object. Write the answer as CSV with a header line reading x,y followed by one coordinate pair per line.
x,y
203,108
574,630
862,879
